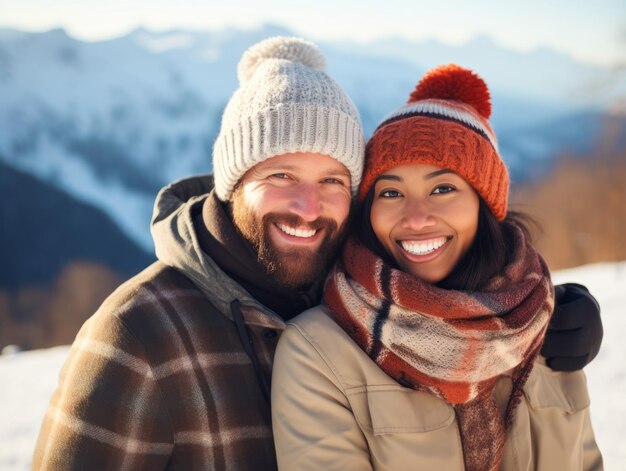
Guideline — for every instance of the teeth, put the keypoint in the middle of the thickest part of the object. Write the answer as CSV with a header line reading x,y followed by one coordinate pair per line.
x,y
292,231
423,247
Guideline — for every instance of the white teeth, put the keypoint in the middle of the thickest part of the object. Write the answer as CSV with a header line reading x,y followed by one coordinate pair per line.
x,y
423,247
292,231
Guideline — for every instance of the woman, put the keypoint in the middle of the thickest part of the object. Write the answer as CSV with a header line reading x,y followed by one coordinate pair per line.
x,y
425,353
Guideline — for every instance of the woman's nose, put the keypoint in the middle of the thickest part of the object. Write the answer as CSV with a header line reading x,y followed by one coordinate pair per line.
x,y
418,215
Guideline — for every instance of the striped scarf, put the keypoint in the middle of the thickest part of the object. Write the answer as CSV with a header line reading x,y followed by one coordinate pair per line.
x,y
454,344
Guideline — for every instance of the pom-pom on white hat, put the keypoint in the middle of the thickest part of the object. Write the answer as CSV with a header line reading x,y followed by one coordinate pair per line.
x,y
285,103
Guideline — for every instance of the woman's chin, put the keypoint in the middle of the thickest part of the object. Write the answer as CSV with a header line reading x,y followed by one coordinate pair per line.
x,y
431,268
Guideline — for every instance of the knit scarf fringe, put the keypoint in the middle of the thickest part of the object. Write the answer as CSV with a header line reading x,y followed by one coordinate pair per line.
x,y
454,344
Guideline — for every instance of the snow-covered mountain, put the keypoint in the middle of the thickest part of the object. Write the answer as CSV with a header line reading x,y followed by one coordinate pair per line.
x,y
29,378
110,122
544,75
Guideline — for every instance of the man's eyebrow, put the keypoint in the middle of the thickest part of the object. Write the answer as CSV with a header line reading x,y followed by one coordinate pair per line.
x,y
274,167
337,171
291,167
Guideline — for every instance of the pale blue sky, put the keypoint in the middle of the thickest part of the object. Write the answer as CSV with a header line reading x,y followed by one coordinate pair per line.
x,y
589,31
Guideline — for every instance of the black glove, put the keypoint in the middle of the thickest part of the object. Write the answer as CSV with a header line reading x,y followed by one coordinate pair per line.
x,y
575,331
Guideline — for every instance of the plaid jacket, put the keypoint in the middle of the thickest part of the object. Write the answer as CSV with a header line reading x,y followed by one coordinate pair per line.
x,y
159,377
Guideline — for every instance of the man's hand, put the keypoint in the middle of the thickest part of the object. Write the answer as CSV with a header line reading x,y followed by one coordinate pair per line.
x,y
575,332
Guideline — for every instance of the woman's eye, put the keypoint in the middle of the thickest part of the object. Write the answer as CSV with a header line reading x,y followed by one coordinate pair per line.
x,y
390,194
443,189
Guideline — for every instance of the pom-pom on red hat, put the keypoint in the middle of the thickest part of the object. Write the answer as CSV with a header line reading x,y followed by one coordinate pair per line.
x,y
444,123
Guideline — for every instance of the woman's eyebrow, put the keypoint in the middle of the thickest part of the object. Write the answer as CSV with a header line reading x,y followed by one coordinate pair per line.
x,y
428,176
394,178
436,173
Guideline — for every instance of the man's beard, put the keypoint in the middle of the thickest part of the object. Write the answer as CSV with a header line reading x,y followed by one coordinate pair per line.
x,y
297,267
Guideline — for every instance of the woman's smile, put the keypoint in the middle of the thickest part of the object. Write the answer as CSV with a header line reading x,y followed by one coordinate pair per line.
x,y
423,247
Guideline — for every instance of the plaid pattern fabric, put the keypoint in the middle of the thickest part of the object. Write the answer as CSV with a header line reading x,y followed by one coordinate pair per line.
x,y
158,379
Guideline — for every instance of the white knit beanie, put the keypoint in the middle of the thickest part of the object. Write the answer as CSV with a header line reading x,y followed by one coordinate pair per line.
x,y
285,103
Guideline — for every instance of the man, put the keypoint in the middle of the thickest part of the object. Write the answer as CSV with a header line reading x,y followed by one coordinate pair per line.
x,y
172,372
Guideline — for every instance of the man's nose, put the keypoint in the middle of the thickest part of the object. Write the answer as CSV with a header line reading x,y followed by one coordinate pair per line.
x,y
306,202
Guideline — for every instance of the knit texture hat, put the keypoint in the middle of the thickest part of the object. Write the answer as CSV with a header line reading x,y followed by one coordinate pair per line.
x,y
285,103
445,123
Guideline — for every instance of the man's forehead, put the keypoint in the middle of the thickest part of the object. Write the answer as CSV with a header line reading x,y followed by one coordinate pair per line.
x,y
320,163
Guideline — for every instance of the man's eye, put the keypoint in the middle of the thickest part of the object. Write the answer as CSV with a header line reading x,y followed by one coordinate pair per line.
x,y
441,189
390,194
336,181
282,176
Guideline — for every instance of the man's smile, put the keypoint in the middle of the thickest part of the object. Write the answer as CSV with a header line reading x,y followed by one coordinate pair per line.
x,y
297,232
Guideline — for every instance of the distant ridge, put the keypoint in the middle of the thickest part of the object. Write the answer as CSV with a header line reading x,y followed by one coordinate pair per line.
x,y
44,229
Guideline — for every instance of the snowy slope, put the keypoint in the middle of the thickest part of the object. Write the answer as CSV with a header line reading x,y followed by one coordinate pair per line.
x,y
606,375
28,379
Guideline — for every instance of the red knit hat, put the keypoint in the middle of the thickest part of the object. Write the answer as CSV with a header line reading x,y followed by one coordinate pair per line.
x,y
445,123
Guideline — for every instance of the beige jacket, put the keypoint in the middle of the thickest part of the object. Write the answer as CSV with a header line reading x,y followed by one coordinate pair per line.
x,y
333,408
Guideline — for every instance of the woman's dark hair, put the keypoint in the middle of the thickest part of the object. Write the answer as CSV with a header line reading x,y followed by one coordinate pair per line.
x,y
487,256
489,252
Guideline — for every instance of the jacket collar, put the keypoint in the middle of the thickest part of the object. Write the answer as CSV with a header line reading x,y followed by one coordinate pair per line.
x,y
181,243
220,239
176,243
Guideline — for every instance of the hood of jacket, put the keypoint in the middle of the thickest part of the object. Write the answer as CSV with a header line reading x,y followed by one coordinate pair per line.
x,y
177,245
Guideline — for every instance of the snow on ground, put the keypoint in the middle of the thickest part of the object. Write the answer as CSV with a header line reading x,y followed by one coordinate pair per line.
x,y
28,379
606,375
